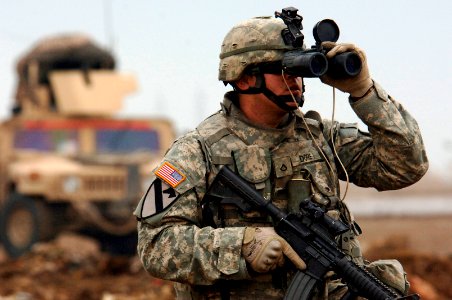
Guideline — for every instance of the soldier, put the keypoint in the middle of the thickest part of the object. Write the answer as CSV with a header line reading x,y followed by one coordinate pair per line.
x,y
198,237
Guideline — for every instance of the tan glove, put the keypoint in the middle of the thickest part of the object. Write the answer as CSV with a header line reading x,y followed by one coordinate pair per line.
x,y
264,250
356,86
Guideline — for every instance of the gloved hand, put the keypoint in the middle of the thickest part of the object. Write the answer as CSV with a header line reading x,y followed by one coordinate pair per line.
x,y
356,86
264,250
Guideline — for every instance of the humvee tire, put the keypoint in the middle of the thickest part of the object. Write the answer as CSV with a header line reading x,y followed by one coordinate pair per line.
x,y
24,222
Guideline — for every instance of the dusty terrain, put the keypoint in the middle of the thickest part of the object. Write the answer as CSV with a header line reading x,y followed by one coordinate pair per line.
x,y
73,267
422,244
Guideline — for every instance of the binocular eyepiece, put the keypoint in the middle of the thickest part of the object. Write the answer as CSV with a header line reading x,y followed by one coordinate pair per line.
x,y
313,62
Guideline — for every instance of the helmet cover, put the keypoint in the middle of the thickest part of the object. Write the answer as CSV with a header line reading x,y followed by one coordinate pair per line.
x,y
254,41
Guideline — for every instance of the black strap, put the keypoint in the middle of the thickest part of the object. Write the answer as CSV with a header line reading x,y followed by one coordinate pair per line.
x,y
261,87
158,195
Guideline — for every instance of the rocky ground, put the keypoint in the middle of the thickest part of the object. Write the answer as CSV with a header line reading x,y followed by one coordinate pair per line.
x,y
74,267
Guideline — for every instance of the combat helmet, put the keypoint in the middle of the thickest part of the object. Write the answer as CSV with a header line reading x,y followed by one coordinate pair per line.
x,y
254,41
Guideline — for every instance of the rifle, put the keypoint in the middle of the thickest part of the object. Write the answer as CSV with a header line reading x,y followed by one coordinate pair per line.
x,y
311,234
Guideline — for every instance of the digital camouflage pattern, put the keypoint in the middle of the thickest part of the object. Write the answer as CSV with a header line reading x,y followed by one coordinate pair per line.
x,y
250,42
390,272
180,245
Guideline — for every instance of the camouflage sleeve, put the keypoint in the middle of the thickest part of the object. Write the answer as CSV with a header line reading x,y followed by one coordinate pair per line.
x,y
392,154
173,246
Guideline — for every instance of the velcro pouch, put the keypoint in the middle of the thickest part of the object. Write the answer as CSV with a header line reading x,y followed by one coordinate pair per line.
x,y
253,163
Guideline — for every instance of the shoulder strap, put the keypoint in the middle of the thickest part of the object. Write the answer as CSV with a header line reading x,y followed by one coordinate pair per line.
x,y
210,132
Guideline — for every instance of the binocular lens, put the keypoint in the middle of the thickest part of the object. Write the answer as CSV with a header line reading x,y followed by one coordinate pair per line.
x,y
305,64
347,64
318,66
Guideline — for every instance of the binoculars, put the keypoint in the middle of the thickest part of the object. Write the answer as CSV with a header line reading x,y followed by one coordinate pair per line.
x,y
313,62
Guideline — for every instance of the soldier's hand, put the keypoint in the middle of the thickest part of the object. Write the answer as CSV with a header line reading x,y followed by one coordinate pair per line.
x,y
264,250
356,86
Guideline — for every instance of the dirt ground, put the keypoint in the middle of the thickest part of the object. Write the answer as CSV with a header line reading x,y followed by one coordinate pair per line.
x,y
422,244
73,267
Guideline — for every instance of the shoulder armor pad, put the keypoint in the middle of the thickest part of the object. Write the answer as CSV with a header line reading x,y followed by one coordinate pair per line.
x,y
213,128
315,125
347,130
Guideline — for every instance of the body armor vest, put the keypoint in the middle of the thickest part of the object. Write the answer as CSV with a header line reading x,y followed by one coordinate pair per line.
x,y
285,165
286,172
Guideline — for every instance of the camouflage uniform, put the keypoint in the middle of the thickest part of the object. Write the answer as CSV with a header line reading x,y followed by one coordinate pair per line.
x,y
204,257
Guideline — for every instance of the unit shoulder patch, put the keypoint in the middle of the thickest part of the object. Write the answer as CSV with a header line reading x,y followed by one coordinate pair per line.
x,y
158,197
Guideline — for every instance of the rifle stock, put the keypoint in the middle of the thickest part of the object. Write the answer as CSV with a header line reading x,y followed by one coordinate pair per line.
x,y
311,238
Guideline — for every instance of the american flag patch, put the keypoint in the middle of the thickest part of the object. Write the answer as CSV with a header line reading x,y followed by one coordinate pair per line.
x,y
170,174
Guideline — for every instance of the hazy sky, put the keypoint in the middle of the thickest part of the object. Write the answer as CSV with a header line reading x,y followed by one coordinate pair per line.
x,y
173,46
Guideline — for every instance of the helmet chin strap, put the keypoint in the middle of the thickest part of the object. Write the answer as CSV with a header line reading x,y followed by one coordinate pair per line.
x,y
280,101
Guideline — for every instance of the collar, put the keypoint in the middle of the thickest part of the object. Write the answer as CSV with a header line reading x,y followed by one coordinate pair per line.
x,y
250,132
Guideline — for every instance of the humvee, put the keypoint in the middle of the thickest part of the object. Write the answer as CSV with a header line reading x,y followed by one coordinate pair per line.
x,y
67,162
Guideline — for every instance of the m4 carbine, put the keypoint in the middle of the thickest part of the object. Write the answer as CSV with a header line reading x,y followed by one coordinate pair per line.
x,y
311,234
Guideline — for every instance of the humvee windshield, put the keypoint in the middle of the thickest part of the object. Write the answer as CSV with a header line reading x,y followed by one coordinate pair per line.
x,y
110,137
126,141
